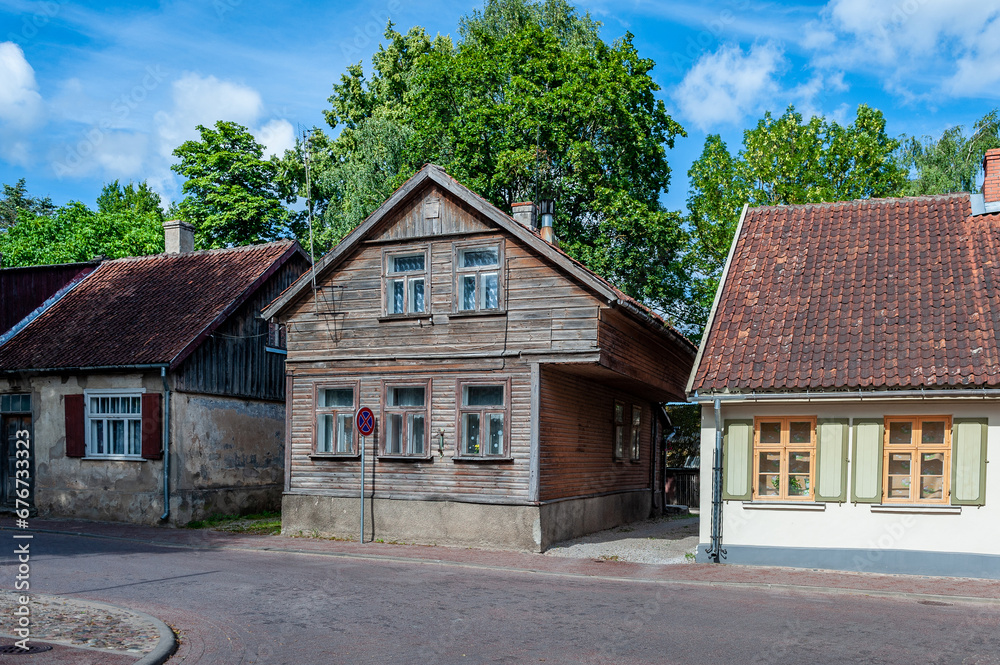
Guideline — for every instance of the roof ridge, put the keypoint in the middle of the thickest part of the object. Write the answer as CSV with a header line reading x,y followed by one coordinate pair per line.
x,y
871,201
286,242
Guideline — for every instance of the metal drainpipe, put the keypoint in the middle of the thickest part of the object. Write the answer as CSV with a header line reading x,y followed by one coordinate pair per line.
x,y
715,550
166,445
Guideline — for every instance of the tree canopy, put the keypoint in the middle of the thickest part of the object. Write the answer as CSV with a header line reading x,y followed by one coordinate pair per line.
x,y
951,163
231,195
16,199
138,199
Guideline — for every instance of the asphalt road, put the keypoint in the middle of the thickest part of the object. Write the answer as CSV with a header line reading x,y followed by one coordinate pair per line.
x,y
236,607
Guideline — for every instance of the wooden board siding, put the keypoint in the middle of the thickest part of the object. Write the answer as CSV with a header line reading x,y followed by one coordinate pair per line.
x,y
232,361
23,289
629,348
577,438
417,218
437,478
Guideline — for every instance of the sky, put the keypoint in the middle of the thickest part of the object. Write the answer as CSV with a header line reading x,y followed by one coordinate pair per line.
x,y
91,93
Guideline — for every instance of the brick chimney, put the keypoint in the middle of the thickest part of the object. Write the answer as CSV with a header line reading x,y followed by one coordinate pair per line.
x,y
178,237
524,214
991,180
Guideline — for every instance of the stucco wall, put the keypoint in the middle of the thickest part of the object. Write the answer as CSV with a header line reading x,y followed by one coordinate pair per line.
x,y
226,456
853,536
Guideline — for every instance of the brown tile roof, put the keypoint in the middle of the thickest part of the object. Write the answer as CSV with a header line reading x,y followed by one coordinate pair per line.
x,y
143,310
886,293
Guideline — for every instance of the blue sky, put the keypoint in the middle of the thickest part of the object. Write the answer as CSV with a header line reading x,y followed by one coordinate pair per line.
x,y
90,93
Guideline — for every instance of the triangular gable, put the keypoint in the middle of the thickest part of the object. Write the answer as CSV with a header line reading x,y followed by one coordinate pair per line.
x,y
431,212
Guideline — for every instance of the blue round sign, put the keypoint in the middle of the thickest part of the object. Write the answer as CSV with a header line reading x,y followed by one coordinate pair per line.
x,y
365,421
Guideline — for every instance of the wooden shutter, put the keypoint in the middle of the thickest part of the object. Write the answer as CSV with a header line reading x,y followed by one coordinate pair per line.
x,y
76,442
867,484
152,429
968,462
737,460
831,459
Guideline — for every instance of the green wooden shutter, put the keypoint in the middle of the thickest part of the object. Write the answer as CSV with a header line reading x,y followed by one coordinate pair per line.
x,y
831,459
867,484
968,462
737,460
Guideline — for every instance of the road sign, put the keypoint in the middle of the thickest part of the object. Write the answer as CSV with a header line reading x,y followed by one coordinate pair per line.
x,y
365,421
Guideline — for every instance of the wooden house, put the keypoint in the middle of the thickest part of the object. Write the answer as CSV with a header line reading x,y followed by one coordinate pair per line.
x,y
175,338
516,393
849,379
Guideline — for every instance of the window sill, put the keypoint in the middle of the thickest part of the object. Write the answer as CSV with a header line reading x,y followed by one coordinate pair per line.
x,y
929,509
482,460
117,458
404,458
473,315
784,505
334,455
385,318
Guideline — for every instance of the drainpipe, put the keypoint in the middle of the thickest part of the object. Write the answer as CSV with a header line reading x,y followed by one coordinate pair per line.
x,y
715,549
166,445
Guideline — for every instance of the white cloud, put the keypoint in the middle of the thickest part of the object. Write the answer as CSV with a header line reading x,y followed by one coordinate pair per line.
x,y
277,136
725,86
20,104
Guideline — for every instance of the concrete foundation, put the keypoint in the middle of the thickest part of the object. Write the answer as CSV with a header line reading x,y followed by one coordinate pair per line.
x,y
491,526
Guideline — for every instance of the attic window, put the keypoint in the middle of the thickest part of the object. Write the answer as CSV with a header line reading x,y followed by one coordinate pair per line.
x,y
276,338
478,284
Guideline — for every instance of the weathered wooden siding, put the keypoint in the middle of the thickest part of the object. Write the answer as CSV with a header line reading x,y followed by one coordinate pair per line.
x,y
430,215
629,348
232,361
577,438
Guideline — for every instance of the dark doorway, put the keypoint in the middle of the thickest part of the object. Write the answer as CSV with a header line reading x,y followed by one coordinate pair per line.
x,y
11,425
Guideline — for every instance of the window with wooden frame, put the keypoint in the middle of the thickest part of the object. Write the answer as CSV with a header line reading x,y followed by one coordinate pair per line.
x,y
478,283
636,431
917,459
405,419
336,406
482,418
406,282
784,458
113,424
618,445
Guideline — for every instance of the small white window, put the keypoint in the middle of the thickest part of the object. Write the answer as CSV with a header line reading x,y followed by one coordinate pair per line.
x,y
335,420
483,416
114,425
405,283
477,272
405,418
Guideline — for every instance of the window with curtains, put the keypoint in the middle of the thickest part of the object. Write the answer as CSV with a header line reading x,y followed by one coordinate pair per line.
x,y
478,283
113,425
405,419
406,282
335,409
483,419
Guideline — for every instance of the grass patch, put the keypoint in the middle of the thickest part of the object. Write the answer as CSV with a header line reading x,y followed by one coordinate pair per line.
x,y
258,524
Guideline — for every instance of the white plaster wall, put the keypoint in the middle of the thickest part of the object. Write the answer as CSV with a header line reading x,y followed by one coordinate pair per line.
x,y
855,526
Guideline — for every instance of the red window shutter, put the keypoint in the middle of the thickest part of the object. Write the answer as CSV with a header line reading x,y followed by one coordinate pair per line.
x,y
76,444
152,426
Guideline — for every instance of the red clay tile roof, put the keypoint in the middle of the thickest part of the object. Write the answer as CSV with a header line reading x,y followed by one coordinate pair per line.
x,y
143,310
886,293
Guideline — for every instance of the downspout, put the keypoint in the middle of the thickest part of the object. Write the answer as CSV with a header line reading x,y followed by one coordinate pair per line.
x,y
166,445
715,549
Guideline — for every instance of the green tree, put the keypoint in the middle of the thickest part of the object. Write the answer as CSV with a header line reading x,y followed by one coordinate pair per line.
x,y
951,163
231,195
138,199
529,103
16,199
76,233
783,161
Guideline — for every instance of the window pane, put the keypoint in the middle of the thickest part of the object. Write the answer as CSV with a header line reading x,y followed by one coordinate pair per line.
x,y
496,434
770,432
135,437
398,287
394,445
406,396
799,463
324,434
416,295
636,416
95,405
473,258
899,464
97,437
342,397
483,396
408,263
770,462
116,428
469,292
345,430
932,432
901,432
619,441
768,478
899,476
470,433
416,434
619,413
490,292
800,432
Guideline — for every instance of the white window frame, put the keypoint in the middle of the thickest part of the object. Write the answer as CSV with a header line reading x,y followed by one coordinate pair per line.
x,y
409,279
89,418
320,411
406,414
478,273
484,412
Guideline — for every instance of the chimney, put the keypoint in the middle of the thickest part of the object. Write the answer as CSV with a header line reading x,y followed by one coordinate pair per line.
x,y
524,214
991,179
178,237
547,209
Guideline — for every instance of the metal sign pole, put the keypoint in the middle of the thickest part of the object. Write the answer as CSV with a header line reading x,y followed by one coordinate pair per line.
x,y
362,488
